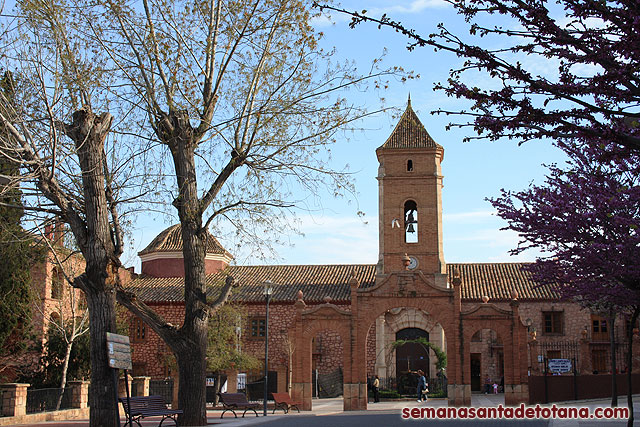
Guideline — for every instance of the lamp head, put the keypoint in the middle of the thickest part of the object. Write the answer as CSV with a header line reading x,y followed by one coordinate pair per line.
x,y
268,288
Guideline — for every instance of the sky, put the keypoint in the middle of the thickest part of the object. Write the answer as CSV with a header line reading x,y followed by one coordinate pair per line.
x,y
472,171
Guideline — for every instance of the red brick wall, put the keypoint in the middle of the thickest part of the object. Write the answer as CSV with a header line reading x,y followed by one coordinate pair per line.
x,y
174,267
150,353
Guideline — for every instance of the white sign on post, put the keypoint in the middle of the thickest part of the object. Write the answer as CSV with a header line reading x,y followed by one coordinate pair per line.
x,y
118,351
560,365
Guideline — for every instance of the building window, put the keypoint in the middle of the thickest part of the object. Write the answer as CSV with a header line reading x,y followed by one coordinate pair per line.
x,y
554,354
409,165
257,327
552,321
599,329
410,222
56,284
138,330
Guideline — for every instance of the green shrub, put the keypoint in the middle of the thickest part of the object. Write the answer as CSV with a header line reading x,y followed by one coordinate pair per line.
x,y
389,394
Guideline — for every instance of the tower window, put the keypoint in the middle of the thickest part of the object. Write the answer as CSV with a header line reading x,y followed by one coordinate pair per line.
x,y
56,283
409,165
410,222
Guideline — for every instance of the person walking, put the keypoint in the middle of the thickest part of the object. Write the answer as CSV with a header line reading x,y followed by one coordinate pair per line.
x,y
487,385
376,389
422,385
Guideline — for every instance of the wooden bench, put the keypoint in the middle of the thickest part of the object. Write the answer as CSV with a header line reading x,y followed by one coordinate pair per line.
x,y
233,401
147,406
283,401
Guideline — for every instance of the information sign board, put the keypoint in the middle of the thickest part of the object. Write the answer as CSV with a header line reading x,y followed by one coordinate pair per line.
x,y
560,365
118,351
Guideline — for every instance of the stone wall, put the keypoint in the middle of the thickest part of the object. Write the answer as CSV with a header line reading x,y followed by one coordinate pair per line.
x,y
371,351
151,356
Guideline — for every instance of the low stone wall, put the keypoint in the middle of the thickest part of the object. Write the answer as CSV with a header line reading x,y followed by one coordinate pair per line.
x,y
15,402
62,415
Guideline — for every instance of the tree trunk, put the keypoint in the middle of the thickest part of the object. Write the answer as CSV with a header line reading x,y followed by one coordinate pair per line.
x,y
634,319
65,368
614,373
192,358
218,387
192,385
94,236
103,405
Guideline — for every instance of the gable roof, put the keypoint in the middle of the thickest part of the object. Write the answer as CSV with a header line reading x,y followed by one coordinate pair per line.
x,y
409,133
170,240
496,280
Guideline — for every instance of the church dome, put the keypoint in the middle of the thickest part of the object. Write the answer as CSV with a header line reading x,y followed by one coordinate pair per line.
x,y
163,256
170,240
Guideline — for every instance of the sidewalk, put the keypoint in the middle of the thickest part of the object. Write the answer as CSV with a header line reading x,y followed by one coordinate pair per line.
x,y
328,407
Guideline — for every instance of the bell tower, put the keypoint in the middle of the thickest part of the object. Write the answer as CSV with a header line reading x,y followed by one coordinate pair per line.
x,y
410,200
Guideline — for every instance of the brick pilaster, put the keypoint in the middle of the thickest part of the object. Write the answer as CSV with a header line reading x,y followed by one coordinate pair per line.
x,y
140,386
79,394
14,399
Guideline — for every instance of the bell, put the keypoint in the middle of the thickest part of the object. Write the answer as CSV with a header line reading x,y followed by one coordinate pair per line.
x,y
410,218
410,228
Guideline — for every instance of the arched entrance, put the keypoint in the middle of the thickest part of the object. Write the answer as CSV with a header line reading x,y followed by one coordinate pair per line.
x,y
411,356
427,294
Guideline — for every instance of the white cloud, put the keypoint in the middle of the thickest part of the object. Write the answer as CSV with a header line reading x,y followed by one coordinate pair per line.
x,y
415,6
328,18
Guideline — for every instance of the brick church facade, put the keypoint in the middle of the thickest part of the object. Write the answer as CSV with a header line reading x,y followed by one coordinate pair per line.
x,y
491,319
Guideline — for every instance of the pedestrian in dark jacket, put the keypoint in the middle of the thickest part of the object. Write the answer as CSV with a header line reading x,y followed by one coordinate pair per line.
x,y
422,385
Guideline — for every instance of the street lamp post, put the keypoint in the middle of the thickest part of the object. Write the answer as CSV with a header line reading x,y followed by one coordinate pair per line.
x,y
268,290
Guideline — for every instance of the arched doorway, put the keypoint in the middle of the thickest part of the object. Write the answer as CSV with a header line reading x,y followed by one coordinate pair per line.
x,y
410,357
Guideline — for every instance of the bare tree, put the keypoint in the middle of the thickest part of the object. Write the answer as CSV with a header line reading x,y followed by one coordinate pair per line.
x,y
247,104
71,167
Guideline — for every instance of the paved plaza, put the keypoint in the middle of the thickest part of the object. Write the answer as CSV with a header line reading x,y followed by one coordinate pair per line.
x,y
328,412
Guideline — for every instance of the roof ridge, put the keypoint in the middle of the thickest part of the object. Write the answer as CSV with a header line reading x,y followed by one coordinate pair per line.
x,y
409,132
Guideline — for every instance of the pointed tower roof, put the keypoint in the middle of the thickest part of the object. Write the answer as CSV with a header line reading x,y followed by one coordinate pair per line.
x,y
409,133
170,240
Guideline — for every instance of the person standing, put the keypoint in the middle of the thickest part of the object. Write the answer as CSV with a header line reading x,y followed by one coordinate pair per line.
x,y
376,389
487,385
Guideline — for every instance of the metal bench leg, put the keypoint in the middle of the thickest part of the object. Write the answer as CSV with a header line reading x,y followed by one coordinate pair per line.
x,y
229,409
245,411
172,417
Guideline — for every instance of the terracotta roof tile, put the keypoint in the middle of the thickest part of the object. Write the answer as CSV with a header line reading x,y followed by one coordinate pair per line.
x,y
496,280
315,281
409,133
170,240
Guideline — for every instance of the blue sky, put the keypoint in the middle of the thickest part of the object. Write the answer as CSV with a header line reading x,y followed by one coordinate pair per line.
x,y
472,171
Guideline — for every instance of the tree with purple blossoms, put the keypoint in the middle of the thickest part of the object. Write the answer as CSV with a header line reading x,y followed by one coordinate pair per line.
x,y
593,97
586,221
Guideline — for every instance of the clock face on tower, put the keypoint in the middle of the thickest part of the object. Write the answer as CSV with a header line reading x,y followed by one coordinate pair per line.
x,y
413,263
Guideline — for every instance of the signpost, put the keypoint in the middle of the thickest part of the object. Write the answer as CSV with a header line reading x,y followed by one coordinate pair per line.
x,y
119,356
